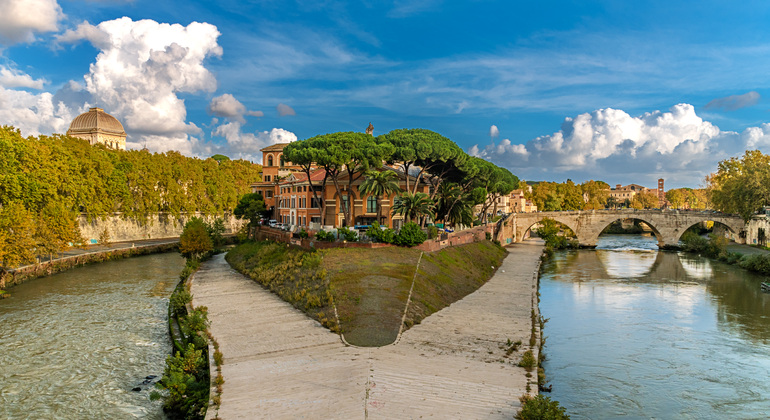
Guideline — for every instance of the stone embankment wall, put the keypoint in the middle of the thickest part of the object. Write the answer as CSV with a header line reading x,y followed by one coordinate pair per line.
x,y
467,236
13,277
157,226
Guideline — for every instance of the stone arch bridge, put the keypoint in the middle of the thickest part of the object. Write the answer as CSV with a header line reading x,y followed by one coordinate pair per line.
x,y
667,225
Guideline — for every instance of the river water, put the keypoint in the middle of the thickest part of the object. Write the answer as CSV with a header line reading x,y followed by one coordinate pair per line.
x,y
637,333
74,344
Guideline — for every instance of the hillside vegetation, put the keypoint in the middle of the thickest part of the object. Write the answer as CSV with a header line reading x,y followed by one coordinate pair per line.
x,y
46,181
368,286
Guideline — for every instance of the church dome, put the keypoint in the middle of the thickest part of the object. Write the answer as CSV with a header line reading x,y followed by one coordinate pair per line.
x,y
97,126
96,119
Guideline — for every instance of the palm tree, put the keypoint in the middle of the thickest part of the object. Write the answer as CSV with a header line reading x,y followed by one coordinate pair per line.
x,y
413,205
379,183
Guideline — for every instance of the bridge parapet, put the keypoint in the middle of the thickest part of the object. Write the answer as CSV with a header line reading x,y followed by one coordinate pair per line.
x,y
667,225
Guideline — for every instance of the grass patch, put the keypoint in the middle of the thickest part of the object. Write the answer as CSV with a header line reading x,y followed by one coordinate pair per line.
x,y
293,274
368,286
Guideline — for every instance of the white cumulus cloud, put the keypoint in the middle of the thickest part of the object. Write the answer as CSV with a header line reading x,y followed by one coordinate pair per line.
x,y
610,144
141,68
228,107
21,19
247,145
11,78
494,132
34,114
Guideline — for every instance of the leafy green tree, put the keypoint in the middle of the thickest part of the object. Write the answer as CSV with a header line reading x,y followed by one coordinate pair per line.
x,y
380,183
220,158
19,242
645,200
305,154
195,241
595,194
250,207
216,231
676,198
741,185
428,150
412,206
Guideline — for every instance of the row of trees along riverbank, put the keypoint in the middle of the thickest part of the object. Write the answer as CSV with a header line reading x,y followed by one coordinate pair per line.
x,y
46,181
595,195
458,181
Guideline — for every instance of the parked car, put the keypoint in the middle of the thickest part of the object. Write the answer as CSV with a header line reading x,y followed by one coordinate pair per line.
x,y
272,222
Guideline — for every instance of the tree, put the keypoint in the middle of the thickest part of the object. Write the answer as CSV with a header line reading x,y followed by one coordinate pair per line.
x,y
250,207
339,154
595,194
741,185
451,207
379,183
305,154
220,158
676,198
412,205
645,200
195,241
18,225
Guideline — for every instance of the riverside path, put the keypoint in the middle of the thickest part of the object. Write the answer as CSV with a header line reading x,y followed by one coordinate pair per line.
x,y
278,363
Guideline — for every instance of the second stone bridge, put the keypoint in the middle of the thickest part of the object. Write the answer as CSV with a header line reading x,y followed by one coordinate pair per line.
x,y
667,225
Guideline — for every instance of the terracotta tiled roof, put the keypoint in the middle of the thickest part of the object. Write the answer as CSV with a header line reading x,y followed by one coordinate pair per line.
x,y
315,176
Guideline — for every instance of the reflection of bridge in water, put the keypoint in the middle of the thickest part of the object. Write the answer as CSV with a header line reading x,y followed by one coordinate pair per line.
x,y
640,266
735,291
667,225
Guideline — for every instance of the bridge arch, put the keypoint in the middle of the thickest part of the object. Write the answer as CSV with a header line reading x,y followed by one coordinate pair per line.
x,y
733,231
667,225
592,235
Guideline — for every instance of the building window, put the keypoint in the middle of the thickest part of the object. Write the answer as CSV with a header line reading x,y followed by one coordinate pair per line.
x,y
315,219
293,203
267,178
315,203
269,161
282,163
371,204
345,204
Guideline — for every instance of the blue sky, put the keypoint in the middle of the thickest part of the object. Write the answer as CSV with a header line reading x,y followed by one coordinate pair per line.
x,y
616,91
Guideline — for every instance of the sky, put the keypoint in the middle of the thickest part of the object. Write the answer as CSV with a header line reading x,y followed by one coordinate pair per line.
x,y
622,92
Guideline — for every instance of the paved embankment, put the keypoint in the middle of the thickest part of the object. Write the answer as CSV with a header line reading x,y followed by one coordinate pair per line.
x,y
278,363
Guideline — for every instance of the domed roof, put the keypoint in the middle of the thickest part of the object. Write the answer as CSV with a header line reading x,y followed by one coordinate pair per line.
x,y
96,120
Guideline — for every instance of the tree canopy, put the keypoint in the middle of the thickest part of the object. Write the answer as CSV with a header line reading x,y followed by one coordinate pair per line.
x,y
741,185
52,179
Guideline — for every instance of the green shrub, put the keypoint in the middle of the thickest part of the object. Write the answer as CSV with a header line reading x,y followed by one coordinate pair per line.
x,y
303,234
410,235
347,234
179,300
186,379
540,408
322,235
375,232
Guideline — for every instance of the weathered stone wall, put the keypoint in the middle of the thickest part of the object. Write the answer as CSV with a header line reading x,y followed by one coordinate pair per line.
x,y
752,231
160,225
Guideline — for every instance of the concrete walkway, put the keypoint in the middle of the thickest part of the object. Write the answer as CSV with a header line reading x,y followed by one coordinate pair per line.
x,y
280,364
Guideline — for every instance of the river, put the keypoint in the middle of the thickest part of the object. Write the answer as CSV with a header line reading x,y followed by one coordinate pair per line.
x,y
637,333
74,344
